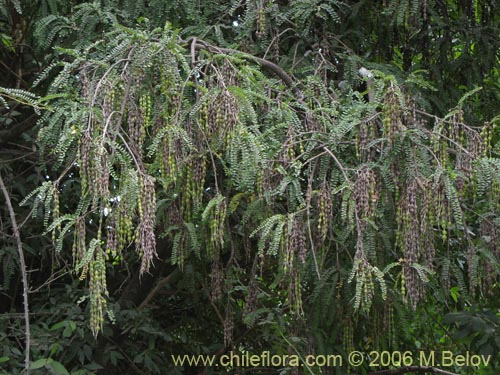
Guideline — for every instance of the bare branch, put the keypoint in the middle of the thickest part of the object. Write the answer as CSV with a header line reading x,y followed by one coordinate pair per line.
x,y
22,264
160,284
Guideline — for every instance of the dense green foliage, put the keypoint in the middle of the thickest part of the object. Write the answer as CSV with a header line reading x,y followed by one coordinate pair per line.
x,y
200,177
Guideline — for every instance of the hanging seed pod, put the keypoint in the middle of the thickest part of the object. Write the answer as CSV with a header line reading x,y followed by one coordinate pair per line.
x,y
98,289
83,275
146,109
348,337
392,115
108,99
427,222
228,325
146,240
260,18
489,234
189,192
403,285
135,121
364,135
199,166
251,300
365,193
103,179
389,323
216,280
217,226
325,207
299,240
80,239
410,241
85,163
112,241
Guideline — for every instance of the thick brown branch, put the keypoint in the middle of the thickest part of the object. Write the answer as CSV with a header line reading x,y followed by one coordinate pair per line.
x,y
160,284
15,131
272,67
22,264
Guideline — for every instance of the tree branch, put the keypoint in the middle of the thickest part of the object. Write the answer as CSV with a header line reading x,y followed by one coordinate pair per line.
x,y
157,288
272,67
15,131
22,264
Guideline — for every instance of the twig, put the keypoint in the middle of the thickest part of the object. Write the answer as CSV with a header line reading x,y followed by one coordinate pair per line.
x,y
22,264
275,38
214,306
157,288
18,158
296,351
139,167
101,82
21,315
437,118
136,369
50,280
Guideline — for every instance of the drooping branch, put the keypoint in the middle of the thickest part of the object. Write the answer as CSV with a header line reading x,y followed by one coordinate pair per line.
x,y
198,45
22,264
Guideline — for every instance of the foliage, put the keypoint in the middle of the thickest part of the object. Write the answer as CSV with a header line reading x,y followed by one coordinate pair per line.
x,y
203,186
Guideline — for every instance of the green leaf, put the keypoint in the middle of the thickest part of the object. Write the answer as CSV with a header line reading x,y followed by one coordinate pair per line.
x,y
57,368
54,348
455,292
39,363
67,331
114,356
58,325
93,366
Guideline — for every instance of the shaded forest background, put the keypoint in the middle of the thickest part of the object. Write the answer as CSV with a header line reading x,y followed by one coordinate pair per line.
x,y
195,177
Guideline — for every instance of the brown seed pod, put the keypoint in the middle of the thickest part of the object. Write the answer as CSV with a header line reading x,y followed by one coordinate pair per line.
x,y
146,240
366,193
216,280
324,209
